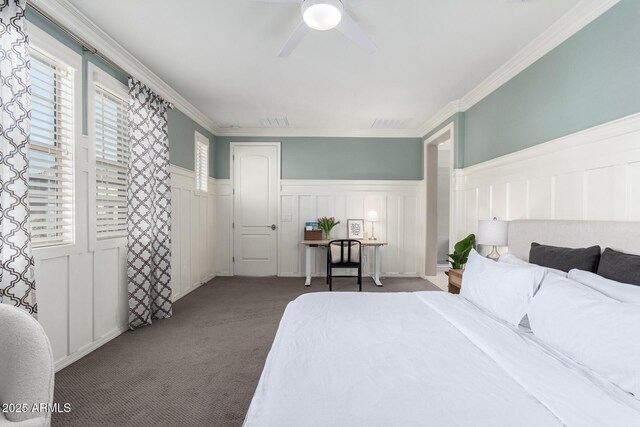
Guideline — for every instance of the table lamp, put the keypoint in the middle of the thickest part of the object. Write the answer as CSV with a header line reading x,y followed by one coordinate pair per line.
x,y
372,217
493,233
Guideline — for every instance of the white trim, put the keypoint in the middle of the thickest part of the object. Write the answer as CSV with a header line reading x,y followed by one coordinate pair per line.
x,y
569,24
179,170
277,145
200,138
450,128
75,21
441,132
96,75
334,186
588,175
45,43
605,131
449,110
66,361
319,133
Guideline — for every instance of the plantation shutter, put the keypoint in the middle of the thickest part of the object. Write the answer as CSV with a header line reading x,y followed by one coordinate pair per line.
x,y
202,165
51,152
112,159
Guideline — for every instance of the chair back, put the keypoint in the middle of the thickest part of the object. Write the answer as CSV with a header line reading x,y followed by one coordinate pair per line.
x,y
26,365
345,251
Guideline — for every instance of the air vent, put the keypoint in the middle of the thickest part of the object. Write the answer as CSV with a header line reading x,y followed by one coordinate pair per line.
x,y
275,122
391,124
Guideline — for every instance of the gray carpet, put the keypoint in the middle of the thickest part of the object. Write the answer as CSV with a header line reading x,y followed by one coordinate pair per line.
x,y
198,368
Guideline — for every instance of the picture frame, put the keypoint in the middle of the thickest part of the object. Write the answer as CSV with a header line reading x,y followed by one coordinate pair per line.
x,y
355,229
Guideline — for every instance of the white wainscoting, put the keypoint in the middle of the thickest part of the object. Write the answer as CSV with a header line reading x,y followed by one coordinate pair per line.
x,y
224,233
82,291
399,204
590,175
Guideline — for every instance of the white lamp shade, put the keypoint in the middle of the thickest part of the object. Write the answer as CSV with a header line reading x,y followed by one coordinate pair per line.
x,y
372,216
493,232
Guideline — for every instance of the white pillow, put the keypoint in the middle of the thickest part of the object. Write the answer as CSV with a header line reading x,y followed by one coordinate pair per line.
x,y
503,289
512,259
591,328
619,291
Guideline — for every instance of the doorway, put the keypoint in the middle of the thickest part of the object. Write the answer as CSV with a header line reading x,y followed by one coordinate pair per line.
x,y
438,166
255,180
444,201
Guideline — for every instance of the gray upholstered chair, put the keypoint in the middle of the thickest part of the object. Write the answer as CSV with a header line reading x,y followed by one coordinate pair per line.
x,y
26,368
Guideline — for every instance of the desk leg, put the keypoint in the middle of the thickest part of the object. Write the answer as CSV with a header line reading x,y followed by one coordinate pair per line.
x,y
307,281
376,277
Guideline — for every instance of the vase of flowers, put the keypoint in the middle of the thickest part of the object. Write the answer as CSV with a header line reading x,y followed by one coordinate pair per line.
x,y
326,224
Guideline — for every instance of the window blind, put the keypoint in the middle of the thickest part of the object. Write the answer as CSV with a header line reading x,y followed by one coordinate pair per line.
x,y
51,152
112,160
202,165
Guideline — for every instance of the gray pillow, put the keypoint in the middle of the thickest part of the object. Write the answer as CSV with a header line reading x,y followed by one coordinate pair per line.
x,y
565,259
621,267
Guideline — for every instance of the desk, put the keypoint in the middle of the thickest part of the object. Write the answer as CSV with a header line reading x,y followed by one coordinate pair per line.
x,y
311,244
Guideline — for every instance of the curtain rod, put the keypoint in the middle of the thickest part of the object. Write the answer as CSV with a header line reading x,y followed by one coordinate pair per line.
x,y
86,47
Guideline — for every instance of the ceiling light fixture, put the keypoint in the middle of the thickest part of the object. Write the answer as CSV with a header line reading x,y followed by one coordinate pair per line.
x,y
322,14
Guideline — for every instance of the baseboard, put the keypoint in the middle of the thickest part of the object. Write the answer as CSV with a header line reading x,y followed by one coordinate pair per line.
x,y
66,361
382,275
191,289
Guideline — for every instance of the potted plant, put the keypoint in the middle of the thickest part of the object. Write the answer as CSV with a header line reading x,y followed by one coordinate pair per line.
x,y
461,251
326,224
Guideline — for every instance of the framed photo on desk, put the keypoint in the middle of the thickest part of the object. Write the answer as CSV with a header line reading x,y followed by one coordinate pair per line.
x,y
355,229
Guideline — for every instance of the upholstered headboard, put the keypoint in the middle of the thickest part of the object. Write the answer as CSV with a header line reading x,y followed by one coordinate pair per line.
x,y
621,236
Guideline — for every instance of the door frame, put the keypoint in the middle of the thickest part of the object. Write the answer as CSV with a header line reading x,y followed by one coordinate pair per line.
x,y
430,194
232,147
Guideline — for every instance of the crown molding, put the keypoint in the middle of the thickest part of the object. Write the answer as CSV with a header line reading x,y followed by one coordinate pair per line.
x,y
570,23
76,22
449,110
323,133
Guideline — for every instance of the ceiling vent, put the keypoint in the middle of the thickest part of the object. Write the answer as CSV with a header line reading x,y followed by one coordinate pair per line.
x,y
275,122
391,124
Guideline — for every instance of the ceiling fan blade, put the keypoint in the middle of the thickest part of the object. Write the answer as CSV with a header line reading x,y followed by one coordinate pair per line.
x,y
349,28
348,3
294,40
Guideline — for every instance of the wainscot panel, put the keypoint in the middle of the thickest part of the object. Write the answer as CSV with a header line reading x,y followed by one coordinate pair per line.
x,y
589,175
82,292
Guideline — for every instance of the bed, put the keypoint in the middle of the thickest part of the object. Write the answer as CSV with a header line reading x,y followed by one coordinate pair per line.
x,y
430,358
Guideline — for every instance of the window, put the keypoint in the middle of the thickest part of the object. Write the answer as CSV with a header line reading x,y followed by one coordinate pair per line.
x,y
202,163
51,151
112,159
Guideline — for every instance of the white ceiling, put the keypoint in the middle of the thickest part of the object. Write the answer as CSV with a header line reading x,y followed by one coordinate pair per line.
x,y
221,55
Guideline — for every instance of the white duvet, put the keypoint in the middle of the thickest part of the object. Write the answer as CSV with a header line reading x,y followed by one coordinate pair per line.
x,y
421,359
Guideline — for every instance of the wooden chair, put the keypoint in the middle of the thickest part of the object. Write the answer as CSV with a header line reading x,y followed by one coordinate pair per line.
x,y
344,253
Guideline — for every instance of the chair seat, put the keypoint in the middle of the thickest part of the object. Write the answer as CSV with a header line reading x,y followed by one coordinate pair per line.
x,y
345,264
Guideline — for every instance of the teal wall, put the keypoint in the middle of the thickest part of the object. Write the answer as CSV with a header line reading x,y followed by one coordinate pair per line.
x,y
458,120
337,158
182,140
181,128
590,79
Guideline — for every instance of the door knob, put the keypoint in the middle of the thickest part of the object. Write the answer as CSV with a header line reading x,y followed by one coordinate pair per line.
x,y
273,226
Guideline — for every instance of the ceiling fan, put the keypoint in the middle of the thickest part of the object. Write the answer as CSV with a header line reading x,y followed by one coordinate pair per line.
x,y
323,15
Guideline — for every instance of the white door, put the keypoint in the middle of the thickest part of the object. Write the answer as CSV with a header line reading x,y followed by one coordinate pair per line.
x,y
256,173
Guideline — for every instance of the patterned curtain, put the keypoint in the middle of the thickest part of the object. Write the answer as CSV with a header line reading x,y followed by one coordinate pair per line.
x,y
149,208
17,285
